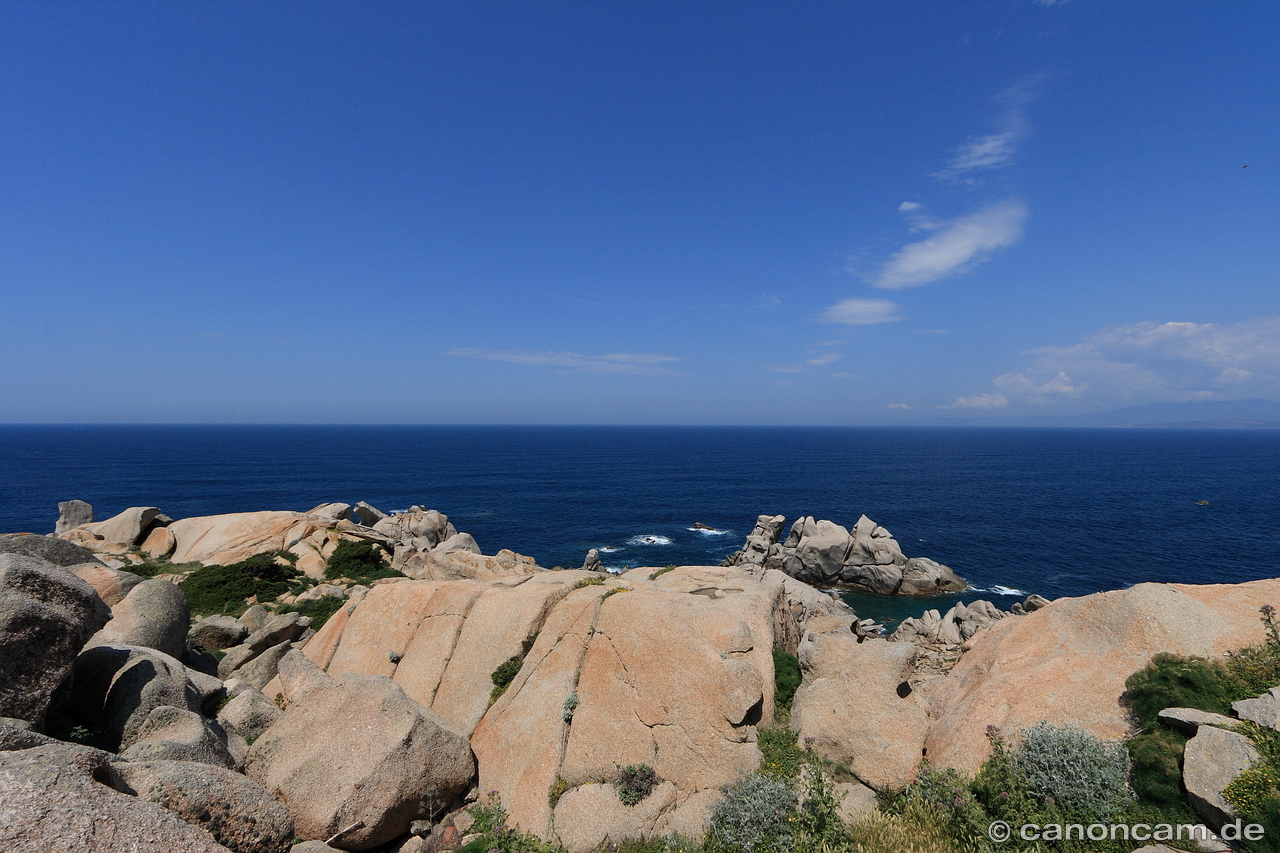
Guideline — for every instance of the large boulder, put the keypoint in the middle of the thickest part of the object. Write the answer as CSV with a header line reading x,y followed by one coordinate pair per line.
x,y
236,811
1263,710
117,687
357,750
73,513
819,554
46,616
217,632
1067,662
67,799
248,714
112,585
857,707
155,614
49,548
368,515
118,533
176,734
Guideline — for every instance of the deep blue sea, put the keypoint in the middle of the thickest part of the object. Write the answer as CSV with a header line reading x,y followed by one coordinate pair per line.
x,y
1058,512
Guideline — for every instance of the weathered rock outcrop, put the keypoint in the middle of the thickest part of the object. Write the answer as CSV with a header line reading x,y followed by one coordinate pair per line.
x,y
154,614
46,616
118,533
824,554
689,711
355,749
72,513
857,707
177,734
1067,662
67,799
51,549
1211,761
236,811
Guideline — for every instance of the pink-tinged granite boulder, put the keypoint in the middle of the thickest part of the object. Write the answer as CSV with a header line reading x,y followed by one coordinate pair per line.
x,y
154,614
1067,662
117,534
356,750
854,704
225,539
112,585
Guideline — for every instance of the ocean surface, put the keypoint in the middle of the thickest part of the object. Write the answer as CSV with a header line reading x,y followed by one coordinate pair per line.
x,y
1057,512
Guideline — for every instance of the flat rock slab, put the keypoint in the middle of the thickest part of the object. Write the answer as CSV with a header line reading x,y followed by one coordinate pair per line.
x,y
1188,721
1211,761
1264,710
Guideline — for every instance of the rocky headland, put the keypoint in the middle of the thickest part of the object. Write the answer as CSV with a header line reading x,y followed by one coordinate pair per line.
x,y
133,721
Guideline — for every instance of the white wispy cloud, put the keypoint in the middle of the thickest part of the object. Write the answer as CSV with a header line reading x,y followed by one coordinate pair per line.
x,y
978,401
957,247
862,312
636,363
827,358
898,406
1155,362
996,149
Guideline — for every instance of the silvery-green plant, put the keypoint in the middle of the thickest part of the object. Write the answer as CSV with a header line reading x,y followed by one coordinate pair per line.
x,y
1083,775
570,705
753,817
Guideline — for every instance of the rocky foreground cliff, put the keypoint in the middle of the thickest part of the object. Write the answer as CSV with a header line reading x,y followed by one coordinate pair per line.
x,y
490,674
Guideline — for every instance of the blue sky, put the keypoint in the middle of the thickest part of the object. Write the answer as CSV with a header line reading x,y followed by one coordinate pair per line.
x,y
738,213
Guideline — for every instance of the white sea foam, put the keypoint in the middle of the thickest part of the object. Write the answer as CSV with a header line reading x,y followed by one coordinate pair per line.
x,y
649,539
1001,590
705,532
608,550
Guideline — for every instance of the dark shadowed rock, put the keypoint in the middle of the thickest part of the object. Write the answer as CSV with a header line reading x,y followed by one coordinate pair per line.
x,y
236,811
46,616
73,513
17,734
356,748
176,734
154,615
48,548
368,515
67,799
117,687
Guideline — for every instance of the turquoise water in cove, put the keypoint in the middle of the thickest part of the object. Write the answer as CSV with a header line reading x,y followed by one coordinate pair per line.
x,y
1058,512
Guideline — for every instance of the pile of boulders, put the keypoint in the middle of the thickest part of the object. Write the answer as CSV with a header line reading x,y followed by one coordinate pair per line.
x,y
822,553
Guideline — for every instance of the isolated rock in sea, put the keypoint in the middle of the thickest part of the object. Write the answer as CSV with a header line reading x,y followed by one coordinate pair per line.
x,y
154,614
1067,662
72,513
592,562
46,616
177,734
238,812
59,799
822,553
51,549
856,706
1211,761
117,687
358,750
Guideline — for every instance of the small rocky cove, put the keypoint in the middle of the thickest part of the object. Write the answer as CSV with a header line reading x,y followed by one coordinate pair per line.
x,y
384,708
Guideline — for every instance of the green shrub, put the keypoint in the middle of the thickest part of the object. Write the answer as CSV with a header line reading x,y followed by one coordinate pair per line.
x,y
570,705
1155,769
786,677
660,572
753,817
361,561
496,837
319,610
503,676
1083,775
636,783
945,792
1174,681
591,581
226,589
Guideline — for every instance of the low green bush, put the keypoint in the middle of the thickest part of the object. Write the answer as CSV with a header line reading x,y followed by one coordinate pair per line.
x,y
319,610
361,561
494,836
226,590
780,758
1174,681
591,581
1085,777
504,675
786,678
1155,769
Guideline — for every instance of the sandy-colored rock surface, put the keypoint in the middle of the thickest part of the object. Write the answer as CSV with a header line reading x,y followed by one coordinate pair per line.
x,y
1067,662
